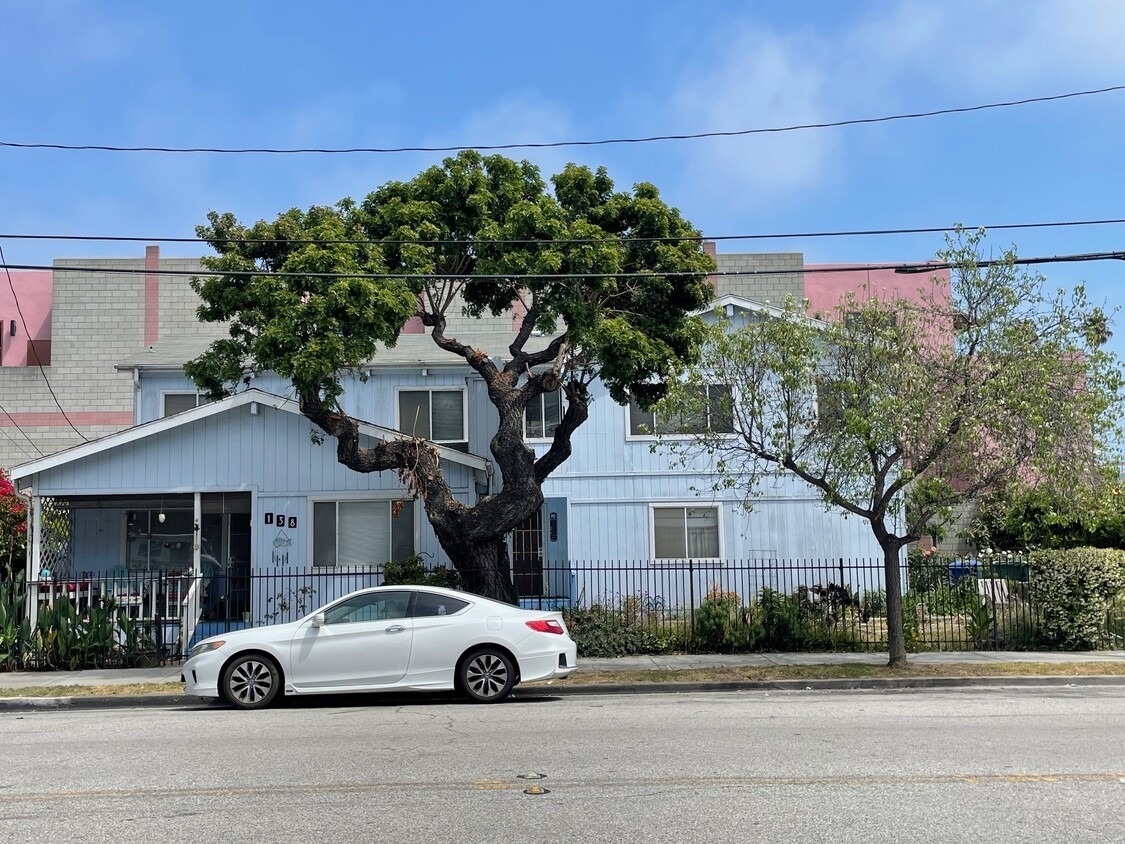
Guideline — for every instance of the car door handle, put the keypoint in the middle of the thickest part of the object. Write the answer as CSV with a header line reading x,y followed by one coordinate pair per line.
x,y
395,628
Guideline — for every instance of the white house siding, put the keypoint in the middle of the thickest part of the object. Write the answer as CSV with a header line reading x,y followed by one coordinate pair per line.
x,y
271,455
787,539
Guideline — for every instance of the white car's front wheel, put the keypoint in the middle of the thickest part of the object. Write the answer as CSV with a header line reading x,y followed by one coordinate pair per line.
x,y
250,682
487,675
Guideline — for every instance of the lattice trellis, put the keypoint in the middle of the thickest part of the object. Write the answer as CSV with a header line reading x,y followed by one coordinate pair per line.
x,y
55,530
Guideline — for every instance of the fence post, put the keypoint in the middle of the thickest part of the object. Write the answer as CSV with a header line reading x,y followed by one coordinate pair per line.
x,y
691,593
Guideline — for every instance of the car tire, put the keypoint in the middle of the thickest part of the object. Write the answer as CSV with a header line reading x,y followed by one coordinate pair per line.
x,y
250,682
487,675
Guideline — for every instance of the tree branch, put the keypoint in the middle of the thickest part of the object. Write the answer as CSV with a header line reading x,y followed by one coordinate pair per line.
x,y
417,462
577,410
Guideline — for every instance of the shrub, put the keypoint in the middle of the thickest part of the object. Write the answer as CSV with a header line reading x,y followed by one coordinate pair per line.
x,y
1073,590
723,624
601,632
926,572
411,571
14,630
961,597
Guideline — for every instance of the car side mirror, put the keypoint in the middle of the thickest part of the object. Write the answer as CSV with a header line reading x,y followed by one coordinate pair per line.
x,y
318,620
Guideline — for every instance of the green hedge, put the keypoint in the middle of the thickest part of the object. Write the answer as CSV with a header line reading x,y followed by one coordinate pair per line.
x,y
1073,591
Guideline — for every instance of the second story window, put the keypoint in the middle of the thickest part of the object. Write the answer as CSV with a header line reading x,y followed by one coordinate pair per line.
x,y
542,416
172,403
435,415
713,414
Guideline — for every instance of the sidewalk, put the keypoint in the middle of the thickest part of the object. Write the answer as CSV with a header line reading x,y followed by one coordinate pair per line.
x,y
663,662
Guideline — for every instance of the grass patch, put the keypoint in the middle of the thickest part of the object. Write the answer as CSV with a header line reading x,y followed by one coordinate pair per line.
x,y
109,690
847,672
689,675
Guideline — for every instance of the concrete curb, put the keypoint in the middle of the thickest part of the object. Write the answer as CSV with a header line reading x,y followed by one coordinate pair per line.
x,y
848,684
94,702
74,702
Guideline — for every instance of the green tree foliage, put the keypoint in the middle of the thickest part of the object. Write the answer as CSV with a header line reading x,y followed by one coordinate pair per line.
x,y
964,390
473,235
1031,517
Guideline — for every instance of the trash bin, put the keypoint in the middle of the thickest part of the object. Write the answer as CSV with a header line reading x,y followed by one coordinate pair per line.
x,y
959,569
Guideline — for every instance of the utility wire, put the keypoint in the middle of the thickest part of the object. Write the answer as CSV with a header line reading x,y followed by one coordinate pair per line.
x,y
46,380
22,431
554,144
900,267
565,241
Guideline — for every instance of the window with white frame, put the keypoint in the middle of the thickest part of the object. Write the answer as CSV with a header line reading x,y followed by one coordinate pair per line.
x,y
173,403
542,416
714,414
685,533
362,533
435,415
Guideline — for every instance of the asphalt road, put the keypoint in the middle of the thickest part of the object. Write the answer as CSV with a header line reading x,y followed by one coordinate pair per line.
x,y
989,764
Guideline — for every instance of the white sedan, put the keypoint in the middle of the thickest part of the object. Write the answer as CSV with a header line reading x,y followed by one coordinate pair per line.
x,y
388,638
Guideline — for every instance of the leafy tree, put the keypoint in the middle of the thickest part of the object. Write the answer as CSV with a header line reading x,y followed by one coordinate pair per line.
x,y
1037,517
475,234
13,527
975,385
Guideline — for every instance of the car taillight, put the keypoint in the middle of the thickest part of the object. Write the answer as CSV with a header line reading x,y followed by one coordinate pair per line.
x,y
545,625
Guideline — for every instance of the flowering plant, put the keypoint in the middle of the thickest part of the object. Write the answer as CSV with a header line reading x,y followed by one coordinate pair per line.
x,y
13,525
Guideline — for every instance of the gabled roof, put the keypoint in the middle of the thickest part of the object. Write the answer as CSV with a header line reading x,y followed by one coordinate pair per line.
x,y
731,301
139,432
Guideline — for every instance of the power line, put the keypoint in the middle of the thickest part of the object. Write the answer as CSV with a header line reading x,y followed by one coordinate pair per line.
x,y
565,241
554,144
43,372
22,431
902,267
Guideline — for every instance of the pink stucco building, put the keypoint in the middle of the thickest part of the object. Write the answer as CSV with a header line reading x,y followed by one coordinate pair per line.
x,y
26,327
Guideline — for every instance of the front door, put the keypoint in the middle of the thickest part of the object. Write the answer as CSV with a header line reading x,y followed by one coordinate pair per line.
x,y
527,556
364,642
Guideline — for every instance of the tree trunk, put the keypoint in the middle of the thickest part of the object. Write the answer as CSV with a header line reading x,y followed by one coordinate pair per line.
x,y
896,640
484,566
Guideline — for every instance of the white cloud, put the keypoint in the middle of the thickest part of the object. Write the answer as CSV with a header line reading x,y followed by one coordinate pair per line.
x,y
521,118
761,80
997,45
904,56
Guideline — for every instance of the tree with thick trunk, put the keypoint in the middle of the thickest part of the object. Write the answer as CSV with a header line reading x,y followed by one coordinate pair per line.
x,y
608,284
897,410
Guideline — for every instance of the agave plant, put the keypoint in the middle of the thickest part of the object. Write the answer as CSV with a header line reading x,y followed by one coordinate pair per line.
x,y
15,632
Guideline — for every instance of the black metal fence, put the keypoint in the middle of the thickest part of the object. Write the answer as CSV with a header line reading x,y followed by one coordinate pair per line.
x,y
610,607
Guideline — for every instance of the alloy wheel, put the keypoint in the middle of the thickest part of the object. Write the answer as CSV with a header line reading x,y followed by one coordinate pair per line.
x,y
486,676
251,682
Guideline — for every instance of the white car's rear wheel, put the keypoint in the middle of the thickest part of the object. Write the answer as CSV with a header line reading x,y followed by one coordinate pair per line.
x,y
487,675
250,682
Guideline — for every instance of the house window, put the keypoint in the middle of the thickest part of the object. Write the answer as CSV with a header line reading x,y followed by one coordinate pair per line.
x,y
683,533
435,415
714,414
542,416
362,533
179,402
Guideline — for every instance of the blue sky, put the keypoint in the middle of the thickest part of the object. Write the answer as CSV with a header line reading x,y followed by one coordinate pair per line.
x,y
380,74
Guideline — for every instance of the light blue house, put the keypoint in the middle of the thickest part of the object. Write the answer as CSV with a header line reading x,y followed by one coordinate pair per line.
x,y
214,496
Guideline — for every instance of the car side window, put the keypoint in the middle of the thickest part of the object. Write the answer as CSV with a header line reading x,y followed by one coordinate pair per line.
x,y
431,604
372,606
